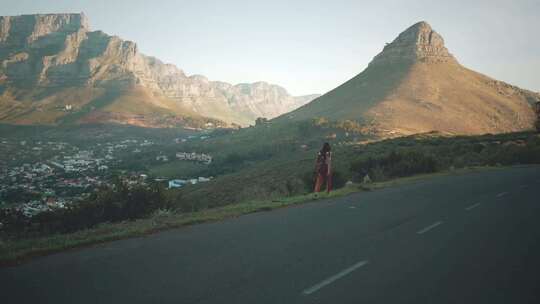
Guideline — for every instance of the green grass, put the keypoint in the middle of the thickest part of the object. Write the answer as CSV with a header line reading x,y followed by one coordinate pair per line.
x,y
287,173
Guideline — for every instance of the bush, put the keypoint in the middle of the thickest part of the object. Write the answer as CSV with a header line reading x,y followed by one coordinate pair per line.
x,y
110,205
395,164
512,155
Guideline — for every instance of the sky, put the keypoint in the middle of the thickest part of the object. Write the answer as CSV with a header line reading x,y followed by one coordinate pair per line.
x,y
310,46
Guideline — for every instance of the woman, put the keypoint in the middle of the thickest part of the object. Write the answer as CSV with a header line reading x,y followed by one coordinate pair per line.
x,y
323,168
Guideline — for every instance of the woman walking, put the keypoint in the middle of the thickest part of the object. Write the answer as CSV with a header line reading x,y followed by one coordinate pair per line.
x,y
323,168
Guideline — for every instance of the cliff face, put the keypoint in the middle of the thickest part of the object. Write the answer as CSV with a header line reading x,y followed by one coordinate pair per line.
x,y
44,57
418,43
415,85
262,99
60,50
241,103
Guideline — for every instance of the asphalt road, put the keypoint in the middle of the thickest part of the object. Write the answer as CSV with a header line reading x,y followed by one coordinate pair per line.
x,y
471,238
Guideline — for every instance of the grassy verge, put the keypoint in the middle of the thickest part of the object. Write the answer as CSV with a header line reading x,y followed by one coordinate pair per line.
x,y
16,252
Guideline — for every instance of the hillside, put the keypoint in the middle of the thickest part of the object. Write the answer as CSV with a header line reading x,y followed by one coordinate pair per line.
x,y
415,85
54,69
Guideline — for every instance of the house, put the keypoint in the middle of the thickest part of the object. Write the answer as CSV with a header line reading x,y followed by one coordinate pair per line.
x,y
194,156
176,183
163,158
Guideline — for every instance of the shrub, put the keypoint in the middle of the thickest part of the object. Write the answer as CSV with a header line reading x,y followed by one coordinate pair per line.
x,y
395,164
107,206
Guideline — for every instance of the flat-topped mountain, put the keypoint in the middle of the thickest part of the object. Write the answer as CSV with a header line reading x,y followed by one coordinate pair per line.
x,y
55,69
415,85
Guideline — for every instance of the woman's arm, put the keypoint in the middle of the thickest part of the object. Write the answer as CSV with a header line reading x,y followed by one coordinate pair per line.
x,y
329,162
317,163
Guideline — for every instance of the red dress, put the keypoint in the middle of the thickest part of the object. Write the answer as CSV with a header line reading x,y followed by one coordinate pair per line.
x,y
324,172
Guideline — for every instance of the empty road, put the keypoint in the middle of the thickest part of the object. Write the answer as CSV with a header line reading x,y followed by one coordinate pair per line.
x,y
472,238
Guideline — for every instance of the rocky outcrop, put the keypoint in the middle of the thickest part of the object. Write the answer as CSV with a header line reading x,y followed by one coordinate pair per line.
x,y
20,31
50,52
417,43
60,50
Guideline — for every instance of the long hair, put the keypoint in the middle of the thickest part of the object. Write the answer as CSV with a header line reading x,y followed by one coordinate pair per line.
x,y
325,148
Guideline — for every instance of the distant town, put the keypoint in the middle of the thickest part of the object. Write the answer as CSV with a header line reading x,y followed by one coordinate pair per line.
x,y
37,176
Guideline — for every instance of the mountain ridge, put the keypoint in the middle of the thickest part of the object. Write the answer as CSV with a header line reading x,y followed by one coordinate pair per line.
x,y
44,56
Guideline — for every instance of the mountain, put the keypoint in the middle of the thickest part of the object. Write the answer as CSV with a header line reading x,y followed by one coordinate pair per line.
x,y
54,69
415,85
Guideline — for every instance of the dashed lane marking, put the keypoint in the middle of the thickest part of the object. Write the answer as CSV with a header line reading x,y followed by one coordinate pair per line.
x,y
472,206
334,278
428,228
502,194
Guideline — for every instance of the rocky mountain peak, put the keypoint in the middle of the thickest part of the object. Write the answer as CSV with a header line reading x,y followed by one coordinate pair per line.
x,y
30,28
417,43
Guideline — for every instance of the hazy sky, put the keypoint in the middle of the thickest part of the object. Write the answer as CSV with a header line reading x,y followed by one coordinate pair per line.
x,y
310,46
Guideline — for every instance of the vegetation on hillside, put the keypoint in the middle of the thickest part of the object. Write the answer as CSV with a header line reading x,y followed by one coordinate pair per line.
x,y
291,172
413,155
115,204
272,164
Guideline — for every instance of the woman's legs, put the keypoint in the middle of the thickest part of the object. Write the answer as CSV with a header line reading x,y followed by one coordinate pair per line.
x,y
329,183
321,178
318,183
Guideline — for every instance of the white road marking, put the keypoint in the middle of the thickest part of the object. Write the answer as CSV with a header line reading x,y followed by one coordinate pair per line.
x,y
472,206
428,228
352,207
502,194
334,278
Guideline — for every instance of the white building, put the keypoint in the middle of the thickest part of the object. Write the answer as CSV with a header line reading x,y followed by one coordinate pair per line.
x,y
163,158
177,183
